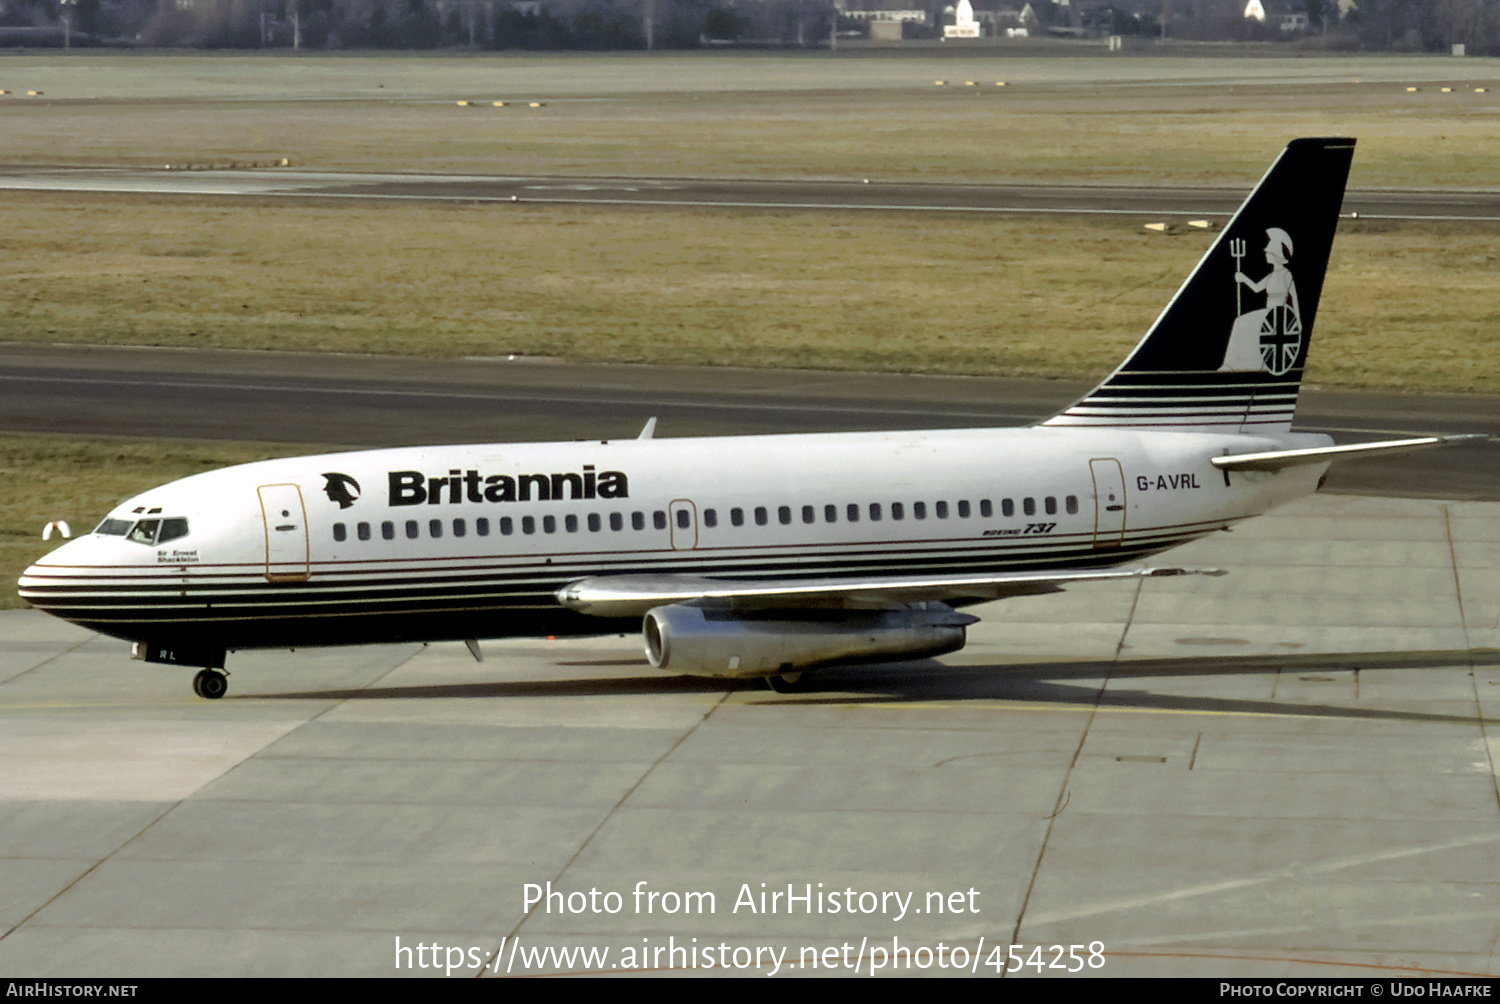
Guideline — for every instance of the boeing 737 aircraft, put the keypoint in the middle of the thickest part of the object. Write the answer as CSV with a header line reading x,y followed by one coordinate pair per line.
x,y
756,556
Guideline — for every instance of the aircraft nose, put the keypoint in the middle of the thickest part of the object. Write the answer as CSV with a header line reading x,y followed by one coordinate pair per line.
x,y
41,580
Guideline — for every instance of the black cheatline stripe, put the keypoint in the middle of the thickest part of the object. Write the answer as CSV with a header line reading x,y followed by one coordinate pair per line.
x,y
1224,395
1189,378
1220,402
1168,421
436,584
407,586
1183,408
418,600
735,562
1043,552
1195,404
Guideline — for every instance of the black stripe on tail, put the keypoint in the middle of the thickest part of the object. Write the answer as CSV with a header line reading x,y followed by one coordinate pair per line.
x,y
1227,352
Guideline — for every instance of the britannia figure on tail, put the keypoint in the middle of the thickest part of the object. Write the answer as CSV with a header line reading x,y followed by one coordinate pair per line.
x,y
1268,339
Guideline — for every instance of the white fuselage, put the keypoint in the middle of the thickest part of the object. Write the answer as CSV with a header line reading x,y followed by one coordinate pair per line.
x,y
455,542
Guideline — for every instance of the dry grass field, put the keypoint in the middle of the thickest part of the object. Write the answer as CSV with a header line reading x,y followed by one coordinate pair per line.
x,y
1406,306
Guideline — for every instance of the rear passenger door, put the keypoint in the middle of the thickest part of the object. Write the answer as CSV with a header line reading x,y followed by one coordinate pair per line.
x,y
1109,502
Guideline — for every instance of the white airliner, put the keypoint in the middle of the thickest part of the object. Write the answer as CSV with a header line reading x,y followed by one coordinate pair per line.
x,y
757,556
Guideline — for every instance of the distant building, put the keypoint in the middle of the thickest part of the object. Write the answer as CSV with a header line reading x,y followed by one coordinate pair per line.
x,y
915,16
964,25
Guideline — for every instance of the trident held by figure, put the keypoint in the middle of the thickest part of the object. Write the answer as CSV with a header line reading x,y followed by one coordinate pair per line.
x,y
1237,249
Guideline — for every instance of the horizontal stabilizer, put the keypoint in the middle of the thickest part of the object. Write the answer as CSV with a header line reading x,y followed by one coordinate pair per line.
x,y
1275,460
633,595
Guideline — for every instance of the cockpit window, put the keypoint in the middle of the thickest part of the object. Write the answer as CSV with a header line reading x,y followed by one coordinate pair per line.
x,y
147,531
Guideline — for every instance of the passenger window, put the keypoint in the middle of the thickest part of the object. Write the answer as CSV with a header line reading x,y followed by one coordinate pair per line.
x,y
919,510
684,519
363,529
898,511
638,521
710,518
459,528
963,509
482,526
941,508
1050,502
549,524
595,524
507,526
659,519
528,524
737,517
1028,506
875,512
388,530
830,514
852,512
435,528
986,509
1007,507
761,516
1072,504
616,521
413,531
570,523
339,533
808,514
784,513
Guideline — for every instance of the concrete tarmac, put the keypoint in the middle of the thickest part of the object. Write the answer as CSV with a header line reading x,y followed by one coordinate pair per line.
x,y
1286,771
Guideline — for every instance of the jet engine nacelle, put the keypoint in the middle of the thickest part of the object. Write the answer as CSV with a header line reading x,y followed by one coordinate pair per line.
x,y
705,641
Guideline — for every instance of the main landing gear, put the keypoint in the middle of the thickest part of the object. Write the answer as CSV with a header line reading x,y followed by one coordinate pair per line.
x,y
210,684
790,683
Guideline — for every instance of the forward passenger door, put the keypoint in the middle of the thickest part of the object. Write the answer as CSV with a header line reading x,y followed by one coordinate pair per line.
x,y
286,533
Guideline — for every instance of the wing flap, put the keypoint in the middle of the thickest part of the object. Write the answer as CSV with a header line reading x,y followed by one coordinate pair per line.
x,y
633,595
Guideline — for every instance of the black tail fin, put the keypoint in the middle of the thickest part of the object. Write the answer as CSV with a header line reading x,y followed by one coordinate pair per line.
x,y
1227,352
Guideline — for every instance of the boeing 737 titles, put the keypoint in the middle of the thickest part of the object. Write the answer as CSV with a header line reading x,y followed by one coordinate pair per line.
x,y
755,556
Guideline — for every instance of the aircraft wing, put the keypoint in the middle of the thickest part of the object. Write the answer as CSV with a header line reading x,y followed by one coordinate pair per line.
x,y
634,595
1275,460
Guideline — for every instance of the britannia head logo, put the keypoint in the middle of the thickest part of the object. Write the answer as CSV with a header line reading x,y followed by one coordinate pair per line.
x,y
341,488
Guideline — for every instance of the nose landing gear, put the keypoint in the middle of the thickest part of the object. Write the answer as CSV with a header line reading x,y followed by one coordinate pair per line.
x,y
210,684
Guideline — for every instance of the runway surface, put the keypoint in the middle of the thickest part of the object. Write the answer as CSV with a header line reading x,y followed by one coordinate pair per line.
x,y
855,194
372,401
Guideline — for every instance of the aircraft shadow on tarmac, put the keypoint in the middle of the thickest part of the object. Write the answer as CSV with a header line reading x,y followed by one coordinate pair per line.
x,y
1075,684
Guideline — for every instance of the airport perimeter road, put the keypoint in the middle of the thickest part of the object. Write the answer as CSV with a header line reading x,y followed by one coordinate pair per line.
x,y
854,194
372,401
1286,771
